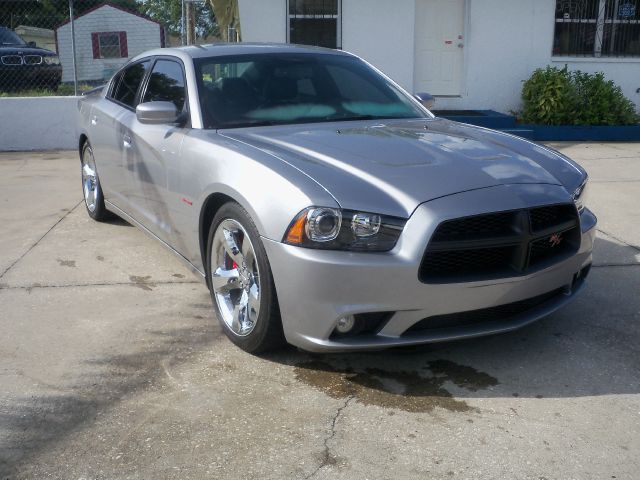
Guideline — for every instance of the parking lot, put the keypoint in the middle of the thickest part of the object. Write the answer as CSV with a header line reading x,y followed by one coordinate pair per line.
x,y
112,365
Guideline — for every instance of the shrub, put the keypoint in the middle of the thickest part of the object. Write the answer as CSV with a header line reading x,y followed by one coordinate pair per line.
x,y
547,97
601,102
555,96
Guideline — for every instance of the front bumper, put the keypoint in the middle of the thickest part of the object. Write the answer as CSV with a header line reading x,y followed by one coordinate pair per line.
x,y
20,77
315,287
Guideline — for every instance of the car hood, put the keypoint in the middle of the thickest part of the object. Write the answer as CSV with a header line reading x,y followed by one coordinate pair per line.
x,y
392,167
24,50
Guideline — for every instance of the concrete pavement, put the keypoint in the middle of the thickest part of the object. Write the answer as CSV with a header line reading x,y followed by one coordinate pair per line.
x,y
112,365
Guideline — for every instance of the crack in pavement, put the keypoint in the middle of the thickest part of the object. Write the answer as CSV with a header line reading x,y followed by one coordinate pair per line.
x,y
608,265
616,181
40,239
100,284
635,247
327,458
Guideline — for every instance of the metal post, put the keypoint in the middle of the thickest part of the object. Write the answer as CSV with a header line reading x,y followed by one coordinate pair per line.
x,y
600,28
182,26
73,49
191,22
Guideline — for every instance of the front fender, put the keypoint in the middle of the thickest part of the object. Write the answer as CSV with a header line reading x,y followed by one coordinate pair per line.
x,y
270,190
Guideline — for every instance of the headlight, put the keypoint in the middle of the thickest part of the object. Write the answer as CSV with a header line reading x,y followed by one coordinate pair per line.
x,y
335,229
580,195
52,60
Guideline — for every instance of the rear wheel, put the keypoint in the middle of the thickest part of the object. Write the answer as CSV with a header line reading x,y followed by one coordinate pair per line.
x,y
91,190
241,283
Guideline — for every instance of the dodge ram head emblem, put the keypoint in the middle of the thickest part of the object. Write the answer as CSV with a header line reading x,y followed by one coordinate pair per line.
x,y
555,239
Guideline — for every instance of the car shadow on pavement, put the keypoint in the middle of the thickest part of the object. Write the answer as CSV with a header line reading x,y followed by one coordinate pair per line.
x,y
33,424
115,220
588,348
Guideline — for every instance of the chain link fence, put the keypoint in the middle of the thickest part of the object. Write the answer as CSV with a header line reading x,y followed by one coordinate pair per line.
x,y
64,47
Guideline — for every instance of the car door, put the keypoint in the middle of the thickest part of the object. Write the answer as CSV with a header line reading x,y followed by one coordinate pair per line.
x,y
157,151
109,133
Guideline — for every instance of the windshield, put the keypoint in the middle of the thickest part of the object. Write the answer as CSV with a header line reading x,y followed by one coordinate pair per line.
x,y
278,89
7,37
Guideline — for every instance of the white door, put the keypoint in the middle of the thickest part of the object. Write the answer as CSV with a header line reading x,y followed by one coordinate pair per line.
x,y
439,46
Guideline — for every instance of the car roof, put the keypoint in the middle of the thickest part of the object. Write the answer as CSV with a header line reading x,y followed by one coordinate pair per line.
x,y
224,49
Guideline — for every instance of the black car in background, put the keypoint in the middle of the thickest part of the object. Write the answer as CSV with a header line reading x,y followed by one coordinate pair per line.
x,y
24,66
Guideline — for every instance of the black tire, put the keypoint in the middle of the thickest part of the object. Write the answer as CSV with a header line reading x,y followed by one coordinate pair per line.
x,y
267,330
95,208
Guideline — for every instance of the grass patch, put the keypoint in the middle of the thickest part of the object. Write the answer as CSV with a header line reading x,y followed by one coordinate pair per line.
x,y
64,90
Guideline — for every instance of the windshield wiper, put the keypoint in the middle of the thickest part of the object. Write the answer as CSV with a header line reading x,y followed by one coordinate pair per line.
x,y
352,118
265,123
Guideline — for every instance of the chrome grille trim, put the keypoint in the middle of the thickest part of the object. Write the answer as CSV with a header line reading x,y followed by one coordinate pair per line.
x,y
12,60
32,59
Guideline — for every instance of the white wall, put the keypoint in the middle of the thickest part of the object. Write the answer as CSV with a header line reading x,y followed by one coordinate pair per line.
x,y
263,20
142,35
38,123
381,32
505,41
367,26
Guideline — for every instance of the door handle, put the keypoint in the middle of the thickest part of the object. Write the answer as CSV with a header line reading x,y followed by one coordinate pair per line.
x,y
126,141
94,120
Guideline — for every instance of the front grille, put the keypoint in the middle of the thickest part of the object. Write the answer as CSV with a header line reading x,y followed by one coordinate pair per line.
x,y
549,217
480,260
33,59
500,244
545,248
482,225
12,60
501,313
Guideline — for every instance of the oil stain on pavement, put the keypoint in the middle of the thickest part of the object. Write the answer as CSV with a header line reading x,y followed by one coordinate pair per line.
x,y
403,390
142,282
66,263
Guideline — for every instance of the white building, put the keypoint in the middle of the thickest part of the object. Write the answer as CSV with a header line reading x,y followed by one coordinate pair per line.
x,y
106,37
42,37
471,54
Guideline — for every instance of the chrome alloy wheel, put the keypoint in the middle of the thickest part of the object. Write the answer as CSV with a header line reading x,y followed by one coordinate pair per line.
x,y
235,277
89,179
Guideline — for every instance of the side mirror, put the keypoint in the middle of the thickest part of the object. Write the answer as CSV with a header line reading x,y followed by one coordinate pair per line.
x,y
426,99
31,44
156,113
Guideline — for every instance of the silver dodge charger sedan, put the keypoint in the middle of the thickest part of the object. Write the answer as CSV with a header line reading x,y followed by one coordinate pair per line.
x,y
325,206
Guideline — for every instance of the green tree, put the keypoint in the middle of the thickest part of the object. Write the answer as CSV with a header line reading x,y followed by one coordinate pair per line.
x,y
227,14
169,13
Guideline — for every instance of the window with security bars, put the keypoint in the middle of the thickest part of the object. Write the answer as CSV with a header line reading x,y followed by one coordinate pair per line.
x,y
597,28
315,22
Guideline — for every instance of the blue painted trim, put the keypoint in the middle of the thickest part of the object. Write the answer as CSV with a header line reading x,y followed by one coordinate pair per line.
x,y
485,118
507,123
622,133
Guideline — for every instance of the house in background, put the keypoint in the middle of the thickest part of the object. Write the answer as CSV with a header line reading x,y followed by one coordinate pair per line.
x,y
470,54
42,37
107,36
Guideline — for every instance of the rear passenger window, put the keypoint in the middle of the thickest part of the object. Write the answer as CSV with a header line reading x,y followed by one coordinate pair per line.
x,y
166,83
128,84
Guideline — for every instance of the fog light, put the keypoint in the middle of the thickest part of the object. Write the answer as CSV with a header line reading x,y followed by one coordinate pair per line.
x,y
345,324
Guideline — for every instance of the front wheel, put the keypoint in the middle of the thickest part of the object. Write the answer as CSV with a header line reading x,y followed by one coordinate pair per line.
x,y
91,190
241,283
